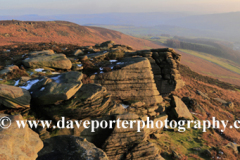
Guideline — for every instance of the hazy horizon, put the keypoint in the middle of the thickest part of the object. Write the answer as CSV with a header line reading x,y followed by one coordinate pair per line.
x,y
193,18
53,7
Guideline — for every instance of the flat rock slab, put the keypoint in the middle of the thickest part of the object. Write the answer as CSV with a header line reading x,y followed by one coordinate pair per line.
x,y
134,63
44,52
14,97
220,100
204,95
98,55
54,92
51,89
57,61
90,92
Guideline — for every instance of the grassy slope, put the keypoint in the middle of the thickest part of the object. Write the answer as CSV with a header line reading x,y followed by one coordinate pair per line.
x,y
227,64
209,69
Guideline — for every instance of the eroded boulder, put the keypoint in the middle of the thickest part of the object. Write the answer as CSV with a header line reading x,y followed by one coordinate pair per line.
x,y
18,143
14,97
230,105
8,69
78,52
234,146
167,76
57,61
178,110
107,44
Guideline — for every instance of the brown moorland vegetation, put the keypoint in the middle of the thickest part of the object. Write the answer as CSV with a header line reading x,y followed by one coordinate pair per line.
x,y
13,32
209,108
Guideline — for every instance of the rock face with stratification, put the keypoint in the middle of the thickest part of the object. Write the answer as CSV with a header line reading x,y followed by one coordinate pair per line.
x,y
167,76
91,100
144,150
18,143
130,144
14,97
165,66
134,81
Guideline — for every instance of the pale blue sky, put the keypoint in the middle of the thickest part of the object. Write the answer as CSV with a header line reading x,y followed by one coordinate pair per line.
x,y
48,7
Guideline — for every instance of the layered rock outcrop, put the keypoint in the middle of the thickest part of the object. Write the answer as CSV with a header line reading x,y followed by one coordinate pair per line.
x,y
165,66
133,82
118,84
144,150
168,78
129,144
91,100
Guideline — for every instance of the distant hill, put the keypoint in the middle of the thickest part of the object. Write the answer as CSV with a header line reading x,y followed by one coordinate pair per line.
x,y
12,32
220,26
136,19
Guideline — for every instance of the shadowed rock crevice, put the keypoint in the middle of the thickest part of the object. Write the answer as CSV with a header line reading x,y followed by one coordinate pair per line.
x,y
99,137
71,148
